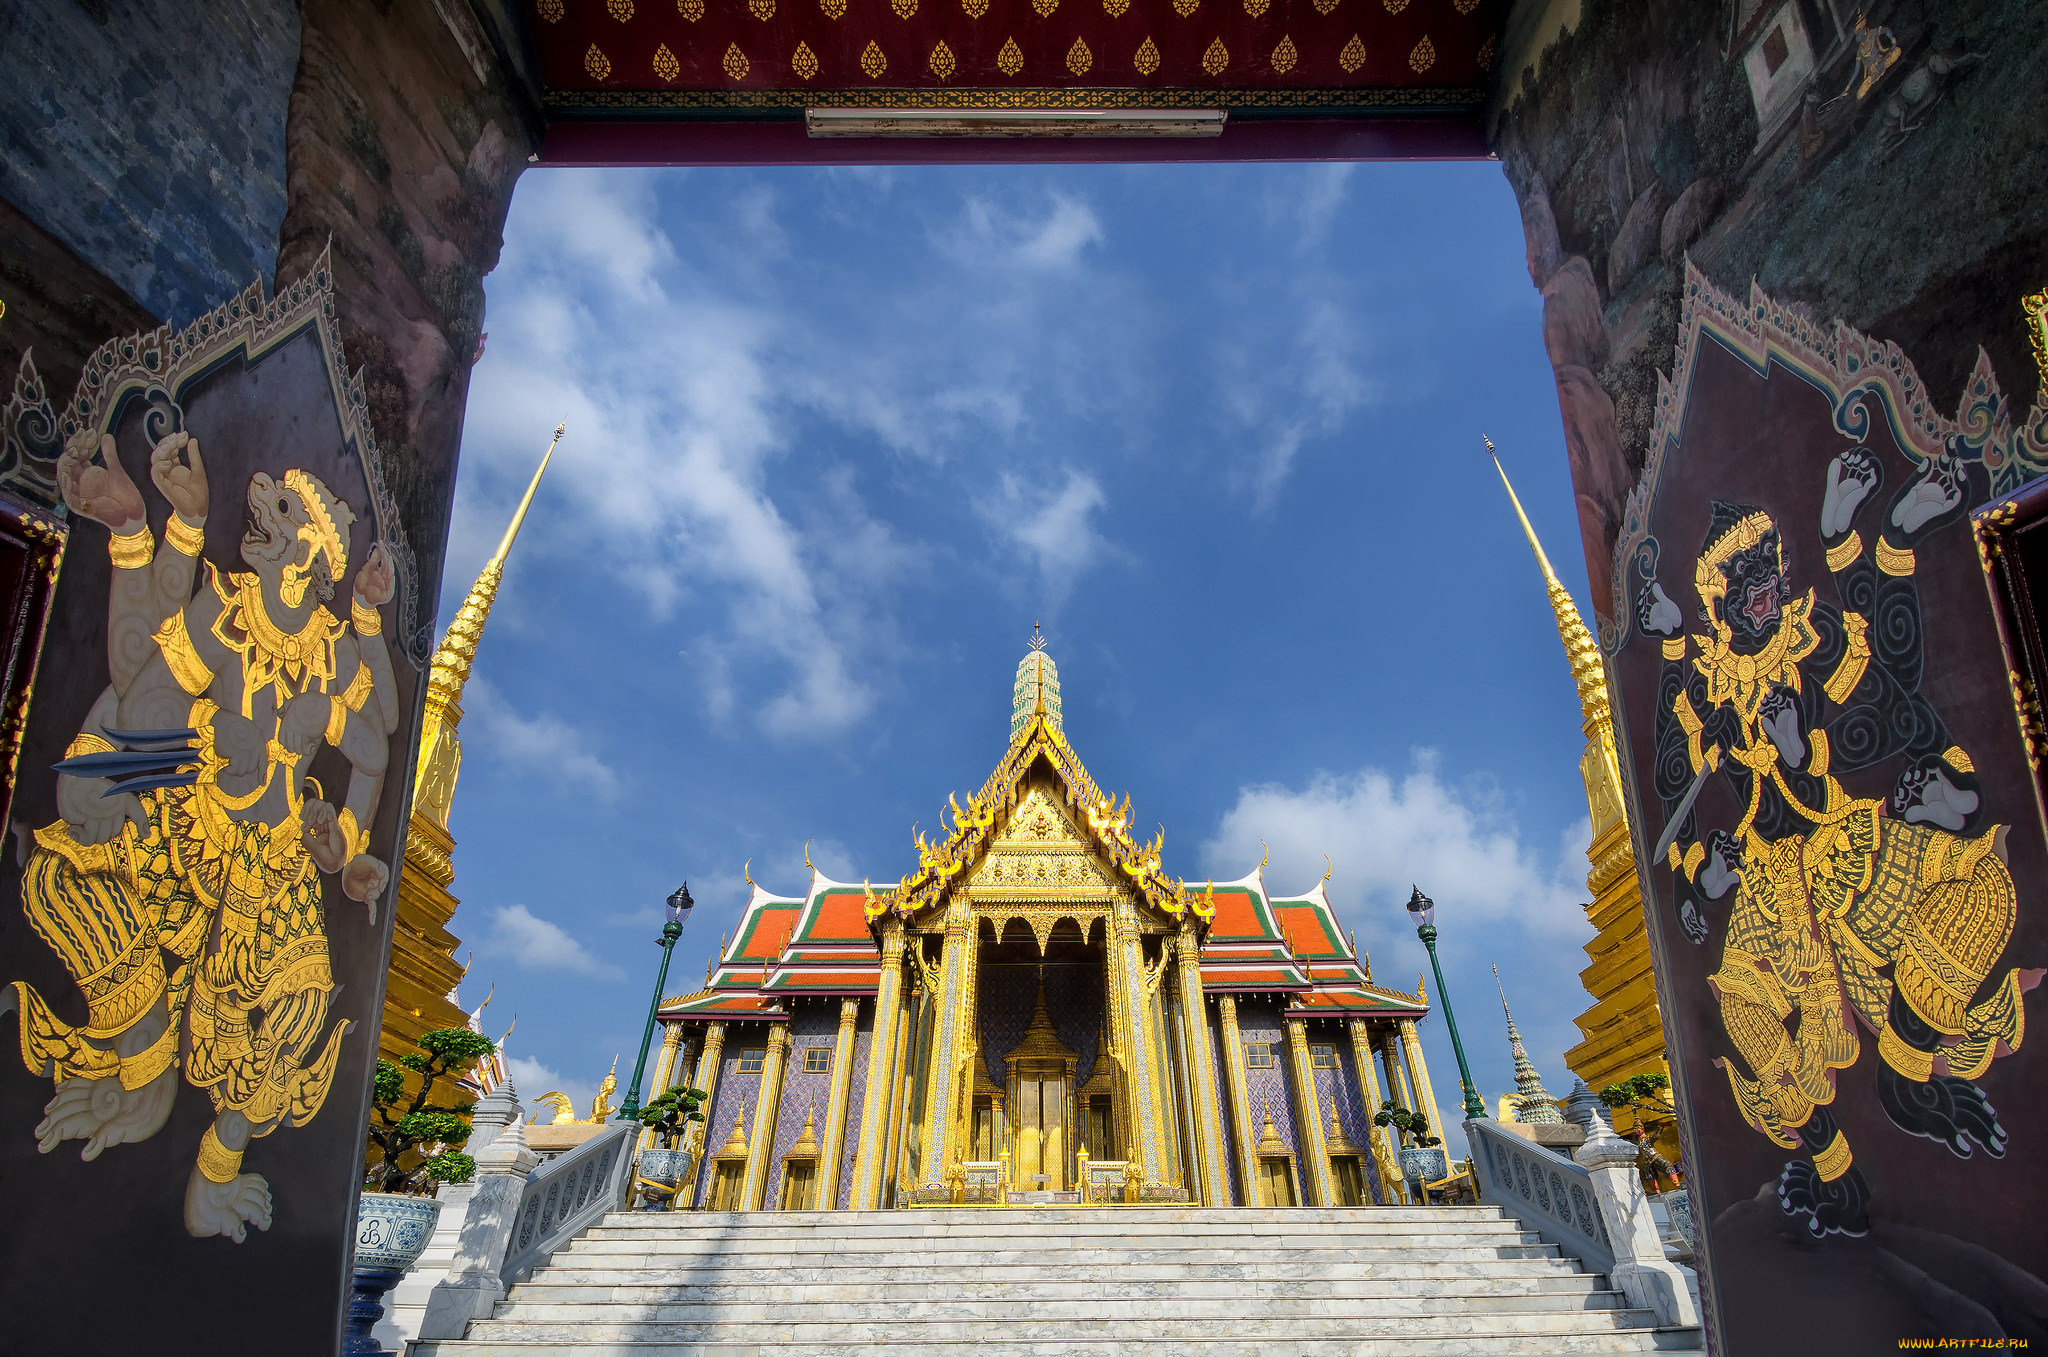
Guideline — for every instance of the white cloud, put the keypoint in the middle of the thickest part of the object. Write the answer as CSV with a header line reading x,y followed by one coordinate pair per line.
x,y
1055,524
1310,201
530,942
1288,386
993,233
542,742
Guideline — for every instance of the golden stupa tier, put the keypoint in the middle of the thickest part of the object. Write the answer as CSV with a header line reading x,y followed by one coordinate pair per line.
x,y
1037,1012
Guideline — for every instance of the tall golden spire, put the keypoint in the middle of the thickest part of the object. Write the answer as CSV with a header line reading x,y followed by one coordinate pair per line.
x,y
1579,647
440,747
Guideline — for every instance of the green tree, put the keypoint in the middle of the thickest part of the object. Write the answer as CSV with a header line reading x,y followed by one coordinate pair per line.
x,y
1414,1123
670,1115
435,1131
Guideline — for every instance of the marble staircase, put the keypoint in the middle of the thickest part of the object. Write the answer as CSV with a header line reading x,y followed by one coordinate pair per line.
x,y
1156,1282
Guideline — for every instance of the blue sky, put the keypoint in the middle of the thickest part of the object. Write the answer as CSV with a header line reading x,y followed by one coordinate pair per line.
x,y
837,438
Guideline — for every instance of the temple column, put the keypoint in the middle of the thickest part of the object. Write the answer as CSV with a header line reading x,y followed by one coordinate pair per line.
x,y
708,1066
1201,1068
767,1107
899,1102
835,1106
1240,1100
664,1066
1418,1077
1397,1083
1131,1012
878,1103
1375,1136
1311,1143
950,1044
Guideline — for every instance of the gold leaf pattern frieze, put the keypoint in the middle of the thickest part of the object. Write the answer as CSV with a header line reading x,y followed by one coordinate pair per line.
x,y
1449,98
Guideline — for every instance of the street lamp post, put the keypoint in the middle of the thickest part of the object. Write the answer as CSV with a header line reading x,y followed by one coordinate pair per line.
x,y
679,906
1422,909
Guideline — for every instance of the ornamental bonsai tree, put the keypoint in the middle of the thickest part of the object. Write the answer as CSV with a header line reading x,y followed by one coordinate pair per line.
x,y
434,1131
671,1114
1414,1123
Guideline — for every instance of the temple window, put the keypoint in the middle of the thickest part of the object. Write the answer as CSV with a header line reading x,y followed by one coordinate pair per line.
x,y
1258,1055
1350,1184
725,1186
817,1060
982,1145
751,1058
798,1185
1322,1057
1276,1183
1098,1133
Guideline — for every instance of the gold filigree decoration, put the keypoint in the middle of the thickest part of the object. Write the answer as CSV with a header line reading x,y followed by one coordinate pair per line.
x,y
692,10
596,64
1045,7
1256,7
665,64
872,61
1464,6
764,10
832,8
904,8
1186,7
1147,59
1396,6
804,61
550,10
1284,55
1216,58
1353,55
1423,56
1388,97
1010,59
1115,8
1325,6
1485,54
621,10
2035,306
941,61
735,62
975,8
1079,58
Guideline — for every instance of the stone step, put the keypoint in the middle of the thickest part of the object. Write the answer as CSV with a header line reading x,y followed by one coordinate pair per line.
x,y
717,1288
782,1224
1060,1237
907,1219
1493,1343
1217,1305
1300,1264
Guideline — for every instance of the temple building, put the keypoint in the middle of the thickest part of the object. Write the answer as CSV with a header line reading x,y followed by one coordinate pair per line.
x,y
1623,1028
1039,1013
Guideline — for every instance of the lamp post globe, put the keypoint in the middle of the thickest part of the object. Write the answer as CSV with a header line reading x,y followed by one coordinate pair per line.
x,y
1422,910
679,906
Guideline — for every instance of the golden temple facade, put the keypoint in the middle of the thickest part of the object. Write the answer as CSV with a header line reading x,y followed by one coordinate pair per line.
x,y
1623,1029
1039,1013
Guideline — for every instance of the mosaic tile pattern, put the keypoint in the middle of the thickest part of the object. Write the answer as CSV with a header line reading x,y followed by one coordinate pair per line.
x,y
1260,1021
813,1024
1341,1086
1073,999
1225,1114
856,1099
735,1090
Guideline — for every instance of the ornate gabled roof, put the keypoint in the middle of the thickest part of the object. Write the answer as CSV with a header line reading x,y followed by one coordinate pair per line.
x,y
1292,945
815,943
1038,739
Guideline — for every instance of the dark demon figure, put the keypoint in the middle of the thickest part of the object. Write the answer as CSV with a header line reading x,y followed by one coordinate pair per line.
x,y
1849,916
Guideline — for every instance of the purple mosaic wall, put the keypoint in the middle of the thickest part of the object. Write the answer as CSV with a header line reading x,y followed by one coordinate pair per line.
x,y
735,1090
814,1024
1073,999
856,1099
1260,1021
1225,1116
1341,1086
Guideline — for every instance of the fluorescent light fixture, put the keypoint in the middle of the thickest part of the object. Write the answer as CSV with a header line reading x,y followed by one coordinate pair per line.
x,y
1014,122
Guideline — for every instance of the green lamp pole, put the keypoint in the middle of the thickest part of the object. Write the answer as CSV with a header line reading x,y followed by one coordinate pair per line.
x,y
1422,909
679,906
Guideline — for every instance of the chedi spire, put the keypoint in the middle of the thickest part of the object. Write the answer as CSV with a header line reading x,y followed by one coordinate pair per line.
x,y
1537,1108
1037,689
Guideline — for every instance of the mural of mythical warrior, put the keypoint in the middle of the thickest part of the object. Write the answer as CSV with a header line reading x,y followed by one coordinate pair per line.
x,y
187,906
1849,916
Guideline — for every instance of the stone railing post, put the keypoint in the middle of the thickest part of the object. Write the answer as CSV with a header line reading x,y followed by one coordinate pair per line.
x,y
1640,1269
473,1285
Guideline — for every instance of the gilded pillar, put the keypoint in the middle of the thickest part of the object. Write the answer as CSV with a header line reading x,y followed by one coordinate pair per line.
x,y
1311,1143
708,1065
950,1045
899,1107
1418,1076
878,1099
664,1066
1201,1067
1131,1010
767,1107
1375,1136
835,1106
1240,1101
1397,1080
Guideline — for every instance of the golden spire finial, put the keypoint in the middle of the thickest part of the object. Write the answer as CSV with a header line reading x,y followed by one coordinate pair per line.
x,y
807,854
1579,648
440,749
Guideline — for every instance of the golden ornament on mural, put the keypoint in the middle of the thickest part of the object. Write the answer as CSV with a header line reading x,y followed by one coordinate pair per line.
x,y
1325,6
1256,7
1464,6
693,10
595,64
665,64
764,10
1353,55
804,61
1216,58
1010,59
1423,57
1284,55
1045,7
941,61
872,61
975,8
1147,59
832,8
1485,54
1115,8
735,62
1396,6
1186,7
550,10
1079,58
621,10
904,8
